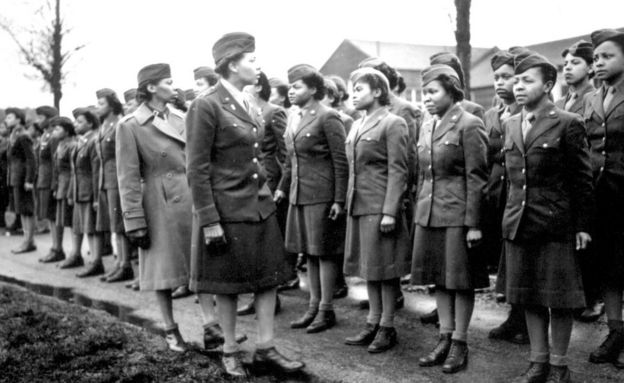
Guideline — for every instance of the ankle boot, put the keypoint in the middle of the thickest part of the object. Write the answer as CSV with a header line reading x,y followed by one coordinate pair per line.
x,y
559,374
609,349
305,320
457,358
364,337
536,373
439,353
325,319
385,339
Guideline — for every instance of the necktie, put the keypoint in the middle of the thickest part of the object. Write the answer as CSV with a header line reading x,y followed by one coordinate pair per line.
x,y
527,125
506,113
570,102
608,97
247,106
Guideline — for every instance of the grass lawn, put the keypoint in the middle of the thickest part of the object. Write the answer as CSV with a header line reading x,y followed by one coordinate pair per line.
x,y
43,339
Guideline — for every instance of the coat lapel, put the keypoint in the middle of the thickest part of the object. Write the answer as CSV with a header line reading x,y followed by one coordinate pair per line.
x,y
596,104
618,98
447,123
577,106
515,131
232,106
544,121
371,122
170,127
309,115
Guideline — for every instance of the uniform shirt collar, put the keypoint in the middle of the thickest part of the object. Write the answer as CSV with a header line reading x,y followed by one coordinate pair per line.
x,y
236,94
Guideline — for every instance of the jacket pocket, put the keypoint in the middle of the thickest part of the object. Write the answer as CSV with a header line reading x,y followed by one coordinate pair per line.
x,y
451,139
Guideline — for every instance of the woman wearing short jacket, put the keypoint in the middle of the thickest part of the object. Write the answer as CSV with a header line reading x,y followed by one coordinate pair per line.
x,y
315,177
377,246
452,176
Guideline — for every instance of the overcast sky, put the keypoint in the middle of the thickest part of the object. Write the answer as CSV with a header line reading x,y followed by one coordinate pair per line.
x,y
124,35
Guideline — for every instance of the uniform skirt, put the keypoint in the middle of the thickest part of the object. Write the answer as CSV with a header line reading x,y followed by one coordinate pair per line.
x,y
309,230
64,213
109,217
441,257
46,204
84,218
543,273
252,260
373,255
23,201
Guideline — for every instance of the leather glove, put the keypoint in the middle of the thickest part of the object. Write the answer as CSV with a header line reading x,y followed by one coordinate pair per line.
x,y
139,238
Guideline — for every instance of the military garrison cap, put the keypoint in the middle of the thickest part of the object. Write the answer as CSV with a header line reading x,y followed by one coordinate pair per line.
x,y
232,44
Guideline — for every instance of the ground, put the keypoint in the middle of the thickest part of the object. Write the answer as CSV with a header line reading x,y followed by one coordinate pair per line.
x,y
326,356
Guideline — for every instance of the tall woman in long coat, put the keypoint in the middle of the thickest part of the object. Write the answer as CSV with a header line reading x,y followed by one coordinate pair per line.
x,y
236,239
109,217
315,176
155,198
453,173
547,214
377,247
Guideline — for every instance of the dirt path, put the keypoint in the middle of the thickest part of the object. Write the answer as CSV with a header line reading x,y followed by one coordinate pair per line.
x,y
325,354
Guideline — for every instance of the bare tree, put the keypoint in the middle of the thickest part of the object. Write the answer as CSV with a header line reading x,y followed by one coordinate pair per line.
x,y
462,37
41,46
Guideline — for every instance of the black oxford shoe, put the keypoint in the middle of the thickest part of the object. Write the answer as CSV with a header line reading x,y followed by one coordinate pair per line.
x,y
96,268
385,339
305,320
121,275
536,373
457,358
53,256
439,353
559,374
325,320
364,337
71,262
272,359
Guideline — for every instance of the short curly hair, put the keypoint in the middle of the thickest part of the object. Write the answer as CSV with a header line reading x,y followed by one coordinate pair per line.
x,y
316,81
452,87
376,83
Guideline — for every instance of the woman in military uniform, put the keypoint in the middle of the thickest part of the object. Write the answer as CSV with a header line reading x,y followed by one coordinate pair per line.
x,y
154,193
547,214
235,231
578,73
604,119
85,168
377,240
315,178
45,203
513,329
21,176
109,217
452,176
64,133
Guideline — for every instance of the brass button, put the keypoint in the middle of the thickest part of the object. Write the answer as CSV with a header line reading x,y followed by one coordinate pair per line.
x,y
169,175
523,203
255,160
176,199
255,176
